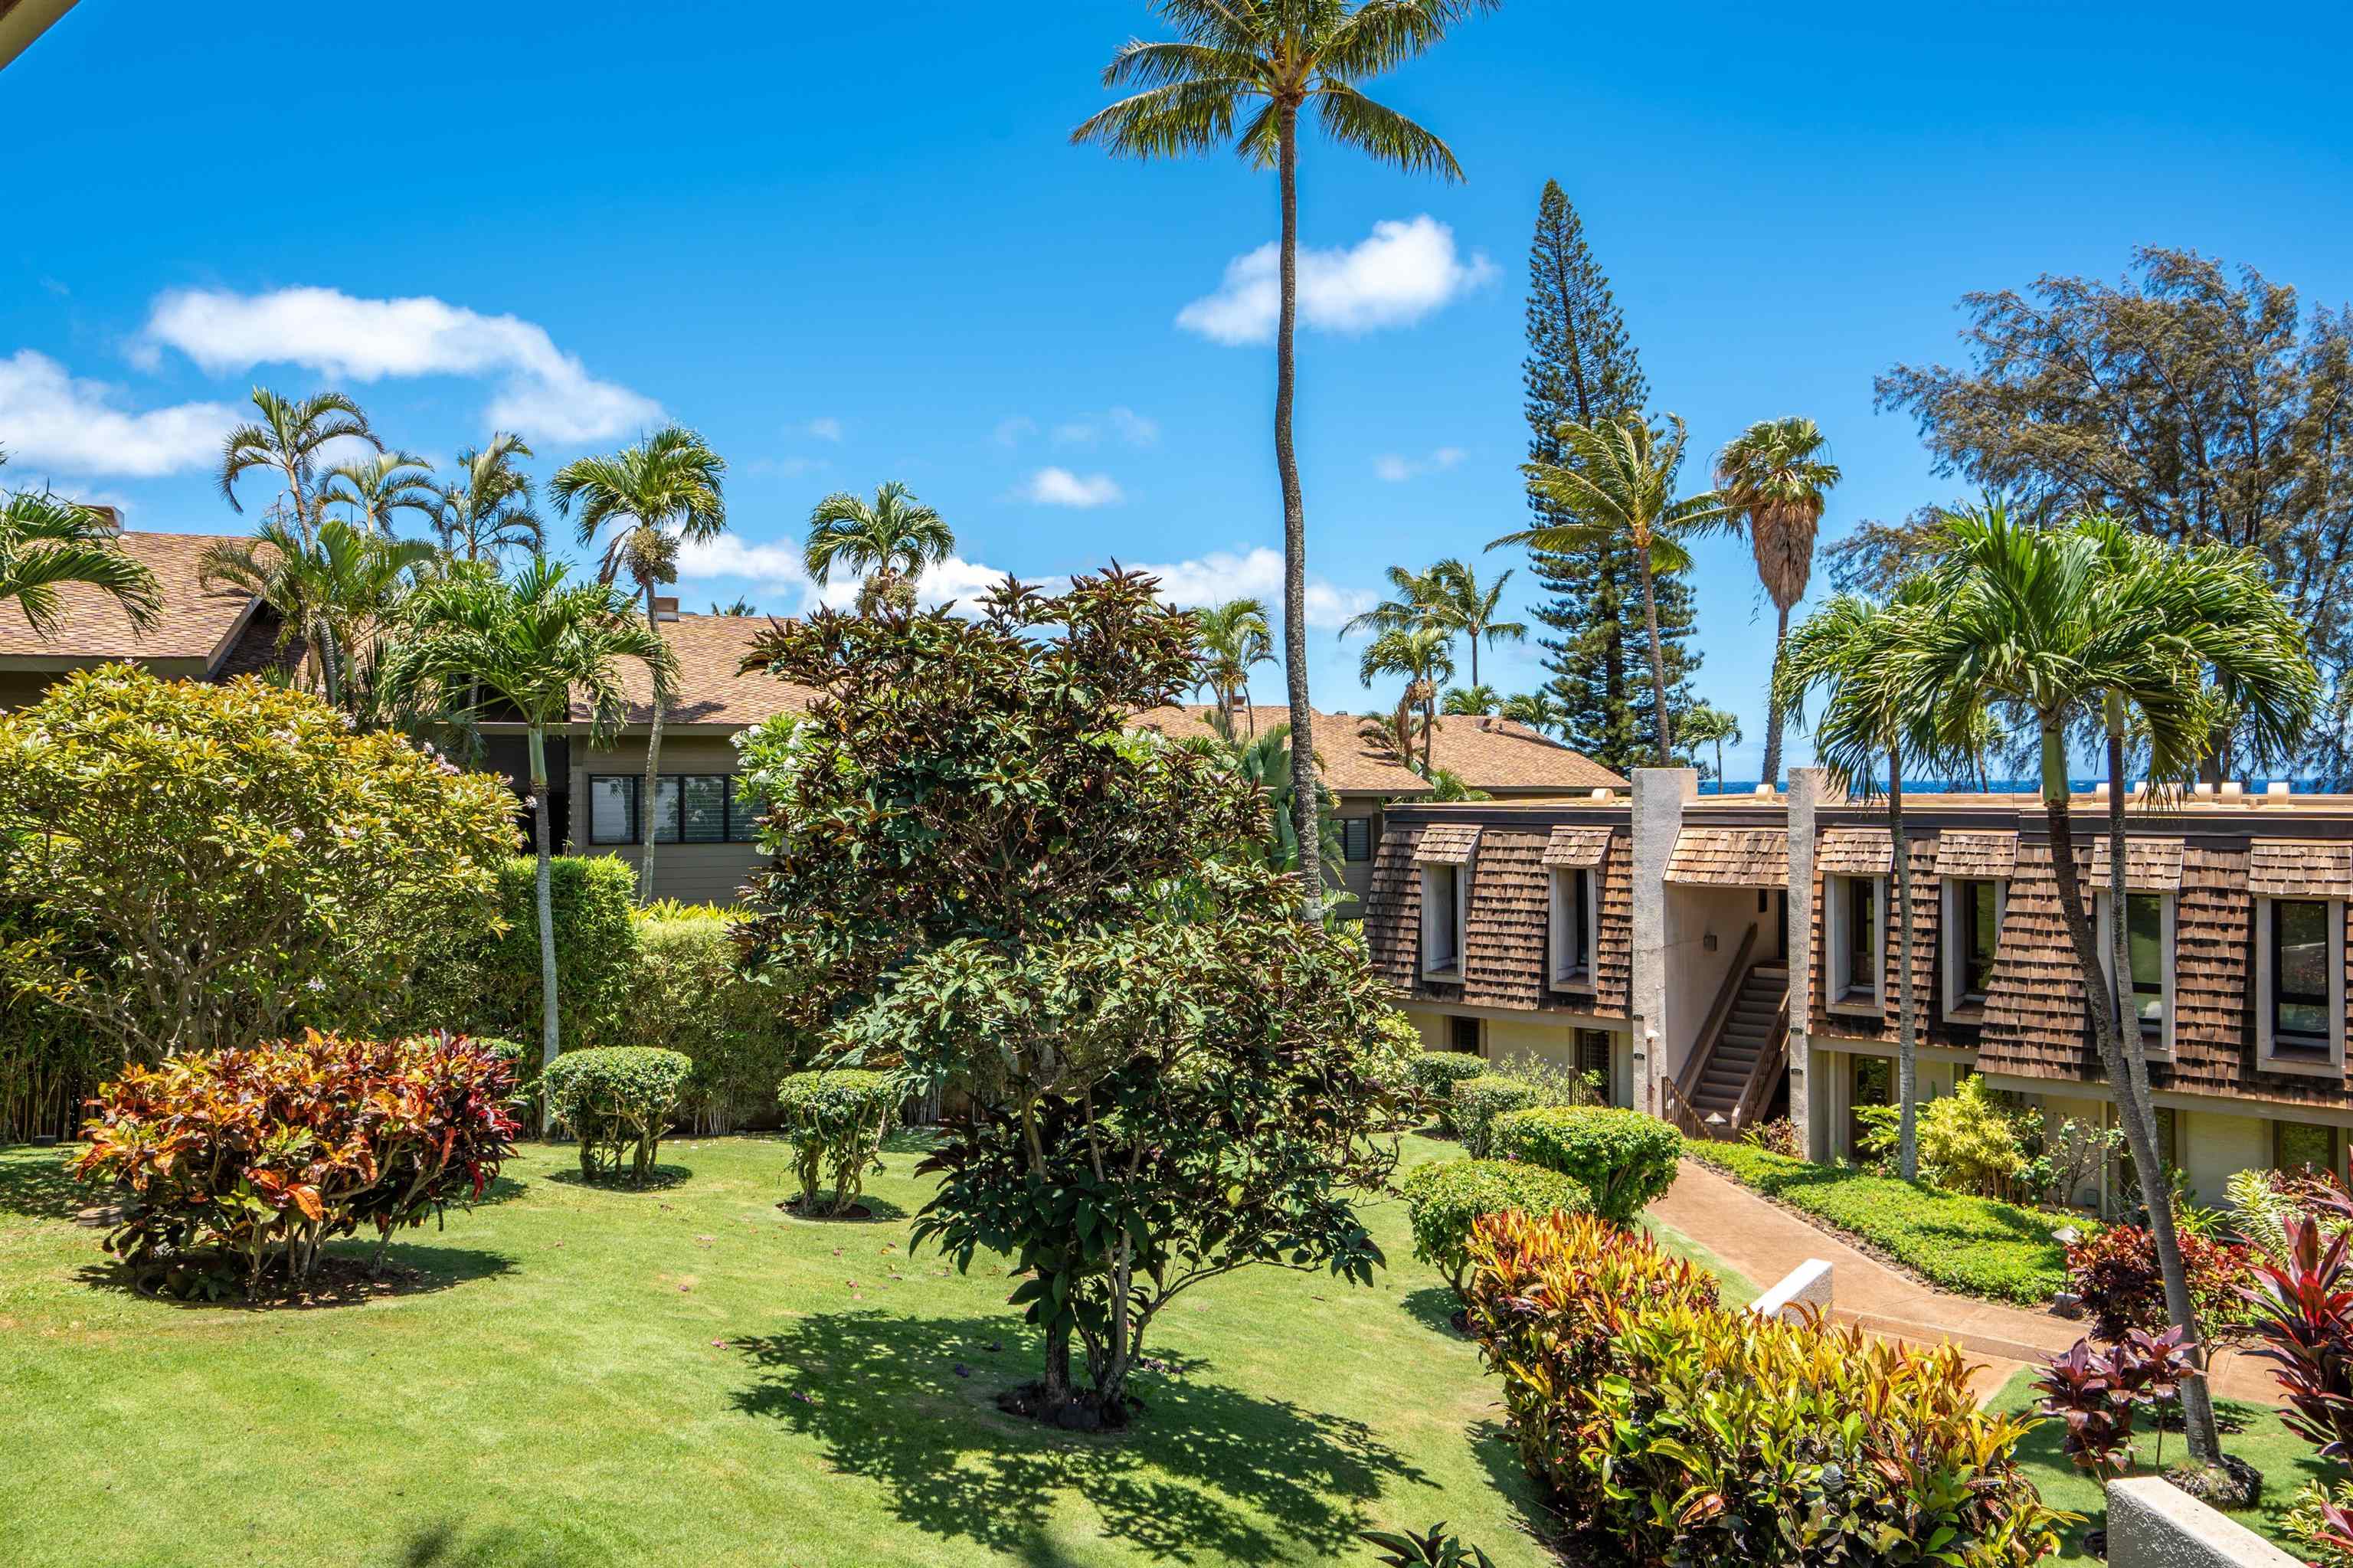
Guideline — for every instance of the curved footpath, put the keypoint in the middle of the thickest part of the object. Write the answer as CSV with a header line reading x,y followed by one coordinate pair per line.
x,y
1765,1242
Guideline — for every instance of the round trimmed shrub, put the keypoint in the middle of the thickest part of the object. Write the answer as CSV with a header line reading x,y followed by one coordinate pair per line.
x,y
1624,1157
835,1121
618,1100
1434,1075
1445,1197
1477,1102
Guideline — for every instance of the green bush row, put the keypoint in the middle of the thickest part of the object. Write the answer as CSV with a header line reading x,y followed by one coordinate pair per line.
x,y
1978,1246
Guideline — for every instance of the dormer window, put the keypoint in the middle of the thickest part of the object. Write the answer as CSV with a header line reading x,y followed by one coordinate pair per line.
x,y
2147,997
1856,918
1574,918
2300,984
1444,856
1972,939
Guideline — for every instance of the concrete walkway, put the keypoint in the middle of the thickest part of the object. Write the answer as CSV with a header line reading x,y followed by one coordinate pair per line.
x,y
1765,1242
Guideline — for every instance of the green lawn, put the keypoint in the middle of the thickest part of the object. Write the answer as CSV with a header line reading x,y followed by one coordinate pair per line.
x,y
2286,1459
686,1375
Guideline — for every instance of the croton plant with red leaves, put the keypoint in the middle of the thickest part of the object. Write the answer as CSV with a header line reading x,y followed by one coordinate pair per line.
x,y
236,1167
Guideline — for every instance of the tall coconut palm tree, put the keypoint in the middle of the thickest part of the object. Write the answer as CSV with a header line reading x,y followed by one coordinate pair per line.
x,y
286,441
888,541
1447,595
372,490
534,645
47,541
1234,637
1617,485
646,499
490,510
332,593
2094,623
1774,474
1242,71
1540,711
1707,726
1424,656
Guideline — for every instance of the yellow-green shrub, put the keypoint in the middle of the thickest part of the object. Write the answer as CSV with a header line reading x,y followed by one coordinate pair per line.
x,y
1446,1197
835,1120
1623,1158
1681,1433
1434,1075
1478,1102
684,991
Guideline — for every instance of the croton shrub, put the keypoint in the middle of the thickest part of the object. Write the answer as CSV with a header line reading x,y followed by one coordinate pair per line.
x,y
235,1168
835,1121
1677,1432
1623,1158
618,1101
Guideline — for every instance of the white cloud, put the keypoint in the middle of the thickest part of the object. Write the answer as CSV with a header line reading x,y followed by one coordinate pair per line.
x,y
1133,427
48,417
1399,274
778,569
542,391
1256,573
823,429
1060,487
1397,469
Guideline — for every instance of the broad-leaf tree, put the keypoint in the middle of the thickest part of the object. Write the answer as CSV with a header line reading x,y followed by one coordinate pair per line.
x,y
1616,481
541,649
646,499
285,442
1773,476
1242,72
2095,624
981,875
46,542
887,541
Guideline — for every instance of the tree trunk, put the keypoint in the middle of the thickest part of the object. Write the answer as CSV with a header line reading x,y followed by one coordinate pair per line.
x,y
1295,540
652,797
2139,1115
544,895
1658,657
1772,774
1907,1014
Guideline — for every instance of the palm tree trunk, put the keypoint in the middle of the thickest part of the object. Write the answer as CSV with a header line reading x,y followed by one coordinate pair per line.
x,y
1772,709
2139,1114
1294,539
651,796
1907,1014
1658,657
544,895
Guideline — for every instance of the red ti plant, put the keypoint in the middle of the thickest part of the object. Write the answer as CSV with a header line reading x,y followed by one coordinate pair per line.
x,y
2082,1388
2304,1324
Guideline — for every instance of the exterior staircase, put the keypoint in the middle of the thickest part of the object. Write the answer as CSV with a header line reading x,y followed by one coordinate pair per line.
x,y
1738,1062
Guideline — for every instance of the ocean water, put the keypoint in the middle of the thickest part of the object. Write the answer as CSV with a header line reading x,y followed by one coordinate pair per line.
x,y
1997,787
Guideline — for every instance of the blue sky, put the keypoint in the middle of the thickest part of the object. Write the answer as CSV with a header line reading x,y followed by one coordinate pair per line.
x,y
858,247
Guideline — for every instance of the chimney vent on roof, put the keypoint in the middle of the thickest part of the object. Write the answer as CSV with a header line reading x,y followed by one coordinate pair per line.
x,y
2232,789
109,517
2278,790
665,607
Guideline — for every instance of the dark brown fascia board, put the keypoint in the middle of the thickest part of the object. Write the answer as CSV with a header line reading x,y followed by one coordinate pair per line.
x,y
1545,813
66,663
2326,824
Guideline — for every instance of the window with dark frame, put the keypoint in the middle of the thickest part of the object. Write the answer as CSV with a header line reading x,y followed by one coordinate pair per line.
x,y
2300,1145
1463,1034
1578,949
1980,936
2299,955
1861,935
1356,838
688,808
2145,937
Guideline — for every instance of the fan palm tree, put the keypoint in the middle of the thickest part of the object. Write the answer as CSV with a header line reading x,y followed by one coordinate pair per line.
x,y
1774,474
647,498
332,593
285,440
1424,655
1540,711
1617,485
1242,71
373,489
888,541
534,645
492,510
47,541
2094,623
1472,699
1234,637
1705,726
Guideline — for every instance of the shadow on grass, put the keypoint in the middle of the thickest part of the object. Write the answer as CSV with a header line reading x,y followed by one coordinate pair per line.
x,y
910,1141
444,1545
1434,1307
34,1182
1500,1458
660,1178
342,1280
1209,1473
867,1210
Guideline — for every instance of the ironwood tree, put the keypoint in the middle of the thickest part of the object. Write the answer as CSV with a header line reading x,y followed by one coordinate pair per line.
x,y
983,880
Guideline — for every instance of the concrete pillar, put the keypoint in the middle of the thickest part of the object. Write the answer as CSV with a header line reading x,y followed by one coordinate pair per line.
x,y
1660,796
1808,785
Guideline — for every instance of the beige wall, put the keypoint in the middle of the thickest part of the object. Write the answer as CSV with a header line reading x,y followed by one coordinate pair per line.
x,y
1693,974
1506,1039
692,874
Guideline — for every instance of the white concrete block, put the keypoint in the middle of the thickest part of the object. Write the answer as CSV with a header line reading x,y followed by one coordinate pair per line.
x,y
1808,1285
2152,1524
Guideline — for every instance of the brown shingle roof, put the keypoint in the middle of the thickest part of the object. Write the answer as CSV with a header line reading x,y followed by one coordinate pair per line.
x,y
1447,844
710,650
2284,868
1855,852
1981,856
1352,764
197,624
1731,857
1496,754
1575,847
2151,865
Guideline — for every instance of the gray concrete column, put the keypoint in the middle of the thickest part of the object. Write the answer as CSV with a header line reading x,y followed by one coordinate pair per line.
x,y
1807,788
1660,796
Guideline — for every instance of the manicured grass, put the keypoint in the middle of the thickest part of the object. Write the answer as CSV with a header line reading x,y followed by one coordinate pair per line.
x,y
1974,1246
2286,1459
687,1376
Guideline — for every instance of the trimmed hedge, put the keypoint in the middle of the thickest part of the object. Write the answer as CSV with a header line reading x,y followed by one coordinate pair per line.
x,y
1478,1102
682,991
1444,1198
1434,1075
1978,1246
1677,1432
486,980
619,1102
835,1121
1623,1158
